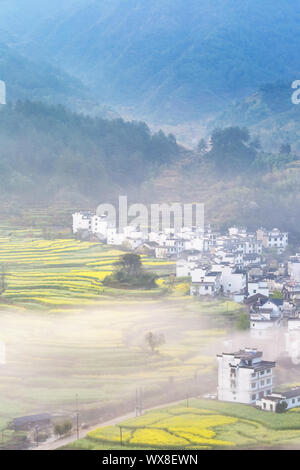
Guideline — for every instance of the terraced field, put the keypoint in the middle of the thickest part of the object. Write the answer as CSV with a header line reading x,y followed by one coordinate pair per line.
x,y
203,425
62,273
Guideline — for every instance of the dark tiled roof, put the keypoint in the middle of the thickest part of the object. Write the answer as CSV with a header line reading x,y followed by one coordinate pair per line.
x,y
251,256
294,392
32,419
271,398
277,302
242,354
262,365
254,298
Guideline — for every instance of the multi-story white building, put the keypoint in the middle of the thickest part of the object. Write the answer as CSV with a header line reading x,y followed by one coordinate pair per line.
x,y
274,239
250,246
243,377
99,225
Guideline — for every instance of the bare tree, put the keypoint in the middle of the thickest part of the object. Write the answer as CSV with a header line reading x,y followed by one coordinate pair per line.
x,y
154,341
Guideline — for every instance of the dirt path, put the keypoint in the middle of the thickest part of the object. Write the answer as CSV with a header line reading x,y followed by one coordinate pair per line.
x,y
55,444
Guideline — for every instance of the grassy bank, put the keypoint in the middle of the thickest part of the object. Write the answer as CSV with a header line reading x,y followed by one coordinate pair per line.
x,y
203,425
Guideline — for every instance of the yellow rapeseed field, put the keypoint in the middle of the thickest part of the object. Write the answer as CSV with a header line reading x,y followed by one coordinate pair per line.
x,y
61,273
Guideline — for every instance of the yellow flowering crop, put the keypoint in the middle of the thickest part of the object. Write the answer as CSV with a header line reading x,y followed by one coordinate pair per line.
x,y
157,438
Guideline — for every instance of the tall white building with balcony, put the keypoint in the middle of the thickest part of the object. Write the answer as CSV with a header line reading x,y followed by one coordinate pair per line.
x,y
244,377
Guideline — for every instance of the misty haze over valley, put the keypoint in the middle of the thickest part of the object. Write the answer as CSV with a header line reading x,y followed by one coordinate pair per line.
x,y
162,101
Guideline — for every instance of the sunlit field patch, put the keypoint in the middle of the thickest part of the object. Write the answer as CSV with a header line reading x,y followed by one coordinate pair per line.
x,y
62,272
198,427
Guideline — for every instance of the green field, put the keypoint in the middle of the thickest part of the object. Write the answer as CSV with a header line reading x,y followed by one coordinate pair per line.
x,y
203,425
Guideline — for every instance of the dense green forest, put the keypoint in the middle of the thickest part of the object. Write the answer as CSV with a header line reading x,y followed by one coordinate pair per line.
x,y
49,154
238,181
48,150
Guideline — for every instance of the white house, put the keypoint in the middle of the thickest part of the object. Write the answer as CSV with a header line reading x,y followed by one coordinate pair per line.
x,y
184,267
158,238
263,322
250,246
197,274
132,243
267,316
271,307
243,377
294,268
251,259
82,221
232,281
174,246
290,397
196,243
115,238
274,239
208,284
237,231
258,287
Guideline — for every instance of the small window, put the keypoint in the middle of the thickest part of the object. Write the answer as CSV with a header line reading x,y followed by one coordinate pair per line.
x,y
254,396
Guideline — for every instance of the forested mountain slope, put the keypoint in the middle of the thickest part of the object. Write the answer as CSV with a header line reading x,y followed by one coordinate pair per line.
x,y
49,152
175,59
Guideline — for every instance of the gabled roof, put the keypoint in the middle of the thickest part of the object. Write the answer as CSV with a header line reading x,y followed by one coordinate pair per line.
x,y
277,302
32,419
255,298
294,392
